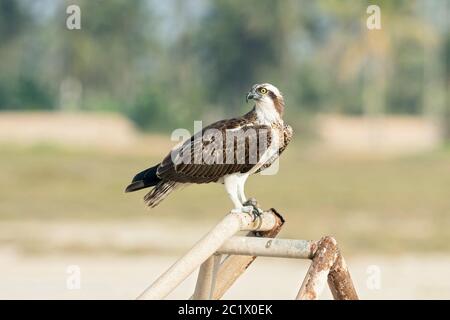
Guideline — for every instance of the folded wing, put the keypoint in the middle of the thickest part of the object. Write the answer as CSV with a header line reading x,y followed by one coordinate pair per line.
x,y
223,148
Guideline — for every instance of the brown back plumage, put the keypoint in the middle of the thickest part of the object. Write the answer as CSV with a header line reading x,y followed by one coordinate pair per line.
x,y
215,165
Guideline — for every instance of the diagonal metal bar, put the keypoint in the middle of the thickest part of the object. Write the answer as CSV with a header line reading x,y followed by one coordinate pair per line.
x,y
340,281
206,278
206,247
234,265
316,277
327,264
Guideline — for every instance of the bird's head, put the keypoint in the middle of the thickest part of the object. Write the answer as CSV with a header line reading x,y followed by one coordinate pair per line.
x,y
267,97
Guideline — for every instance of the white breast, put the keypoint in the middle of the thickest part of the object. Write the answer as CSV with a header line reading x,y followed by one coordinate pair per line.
x,y
266,113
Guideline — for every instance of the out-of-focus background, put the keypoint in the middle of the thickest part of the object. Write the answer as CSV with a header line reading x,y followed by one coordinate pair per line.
x,y
81,111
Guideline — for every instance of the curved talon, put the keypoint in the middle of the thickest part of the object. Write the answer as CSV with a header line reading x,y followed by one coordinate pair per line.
x,y
256,213
249,206
255,210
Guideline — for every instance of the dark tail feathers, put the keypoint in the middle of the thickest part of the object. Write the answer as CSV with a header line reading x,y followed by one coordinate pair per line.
x,y
144,179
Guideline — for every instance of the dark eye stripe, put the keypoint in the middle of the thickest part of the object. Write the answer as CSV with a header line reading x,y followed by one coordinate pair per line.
x,y
272,95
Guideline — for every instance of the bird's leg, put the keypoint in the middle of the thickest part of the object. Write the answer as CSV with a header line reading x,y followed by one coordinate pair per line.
x,y
252,206
232,189
234,185
240,191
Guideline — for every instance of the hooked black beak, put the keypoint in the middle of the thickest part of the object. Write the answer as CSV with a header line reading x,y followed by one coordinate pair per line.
x,y
249,96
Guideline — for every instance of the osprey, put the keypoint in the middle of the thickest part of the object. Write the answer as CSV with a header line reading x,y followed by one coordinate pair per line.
x,y
227,152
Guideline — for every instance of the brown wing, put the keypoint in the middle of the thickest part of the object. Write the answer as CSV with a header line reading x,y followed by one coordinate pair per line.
x,y
223,148
287,136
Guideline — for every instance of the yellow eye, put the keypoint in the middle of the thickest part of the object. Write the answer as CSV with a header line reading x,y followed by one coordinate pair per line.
x,y
263,90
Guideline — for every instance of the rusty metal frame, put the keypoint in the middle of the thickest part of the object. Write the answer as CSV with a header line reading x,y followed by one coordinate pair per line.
x,y
327,265
223,258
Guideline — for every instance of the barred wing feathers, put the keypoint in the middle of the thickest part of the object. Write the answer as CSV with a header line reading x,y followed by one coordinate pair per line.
x,y
206,160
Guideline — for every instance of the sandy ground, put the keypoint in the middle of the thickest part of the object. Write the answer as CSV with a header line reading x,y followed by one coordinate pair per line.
x,y
124,277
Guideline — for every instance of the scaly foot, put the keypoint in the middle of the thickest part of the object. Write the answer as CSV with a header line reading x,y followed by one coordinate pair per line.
x,y
248,209
251,206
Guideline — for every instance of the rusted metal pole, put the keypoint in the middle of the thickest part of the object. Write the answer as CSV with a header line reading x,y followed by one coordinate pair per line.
x,y
206,278
328,264
234,265
206,247
268,247
340,281
316,277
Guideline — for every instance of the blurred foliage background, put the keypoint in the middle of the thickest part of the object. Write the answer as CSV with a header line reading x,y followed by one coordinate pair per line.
x,y
165,63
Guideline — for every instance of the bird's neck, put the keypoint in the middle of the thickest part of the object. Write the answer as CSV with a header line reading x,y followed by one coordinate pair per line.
x,y
266,113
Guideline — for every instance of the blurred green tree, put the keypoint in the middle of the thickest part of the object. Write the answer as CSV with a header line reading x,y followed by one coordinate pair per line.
x,y
237,42
20,84
174,61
